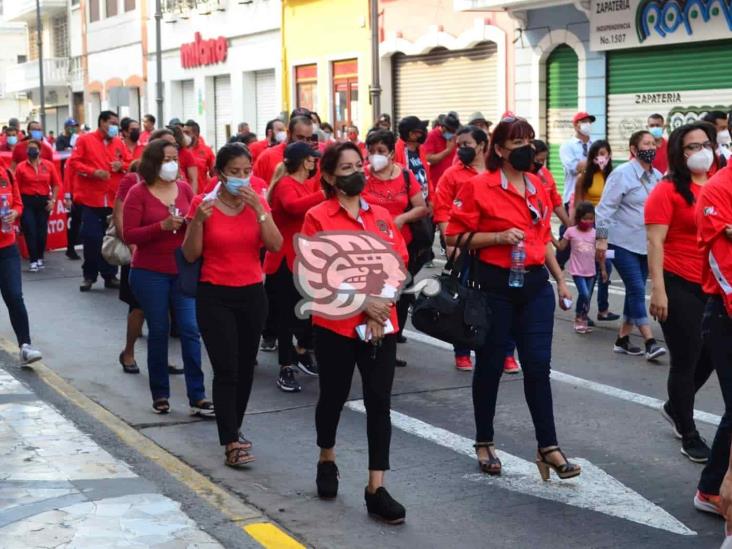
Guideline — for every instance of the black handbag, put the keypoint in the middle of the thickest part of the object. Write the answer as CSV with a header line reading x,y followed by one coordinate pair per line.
x,y
459,313
423,230
188,274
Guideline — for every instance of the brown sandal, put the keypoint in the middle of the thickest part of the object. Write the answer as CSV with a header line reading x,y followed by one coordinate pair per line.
x,y
237,457
492,465
563,471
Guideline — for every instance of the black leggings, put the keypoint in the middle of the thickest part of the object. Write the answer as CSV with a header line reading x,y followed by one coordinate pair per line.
x,y
691,364
34,222
285,297
337,355
231,320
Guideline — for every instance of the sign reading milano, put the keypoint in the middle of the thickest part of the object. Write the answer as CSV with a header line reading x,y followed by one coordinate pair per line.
x,y
619,24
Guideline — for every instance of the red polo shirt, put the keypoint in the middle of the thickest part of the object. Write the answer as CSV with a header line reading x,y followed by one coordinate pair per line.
x,y
94,152
331,216
9,189
434,144
713,215
20,151
447,189
486,204
38,182
204,159
290,201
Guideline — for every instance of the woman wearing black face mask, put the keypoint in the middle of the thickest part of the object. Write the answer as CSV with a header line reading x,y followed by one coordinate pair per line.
x,y
131,137
500,208
338,345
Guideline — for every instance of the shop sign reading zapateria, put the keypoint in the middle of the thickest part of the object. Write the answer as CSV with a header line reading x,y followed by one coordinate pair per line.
x,y
203,52
619,24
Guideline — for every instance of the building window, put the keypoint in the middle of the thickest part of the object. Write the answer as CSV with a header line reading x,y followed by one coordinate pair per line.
x,y
345,93
75,3
129,5
111,8
32,43
306,86
93,10
22,59
60,37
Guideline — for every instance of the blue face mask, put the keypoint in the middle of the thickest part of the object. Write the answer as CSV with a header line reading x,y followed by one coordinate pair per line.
x,y
113,131
656,132
12,140
233,184
448,135
37,134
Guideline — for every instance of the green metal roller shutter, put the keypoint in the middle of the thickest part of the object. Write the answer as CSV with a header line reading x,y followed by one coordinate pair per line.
x,y
681,82
561,93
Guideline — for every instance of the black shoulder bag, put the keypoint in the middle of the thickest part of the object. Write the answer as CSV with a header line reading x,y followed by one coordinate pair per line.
x,y
459,313
423,231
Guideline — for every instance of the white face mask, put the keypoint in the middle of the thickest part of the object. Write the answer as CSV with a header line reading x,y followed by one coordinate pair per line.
x,y
378,162
701,161
187,140
585,129
169,171
281,137
724,138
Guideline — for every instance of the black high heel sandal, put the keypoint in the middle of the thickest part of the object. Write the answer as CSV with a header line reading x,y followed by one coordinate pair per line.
x,y
564,471
491,466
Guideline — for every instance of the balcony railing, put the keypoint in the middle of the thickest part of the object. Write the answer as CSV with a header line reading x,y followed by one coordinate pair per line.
x,y
25,10
25,76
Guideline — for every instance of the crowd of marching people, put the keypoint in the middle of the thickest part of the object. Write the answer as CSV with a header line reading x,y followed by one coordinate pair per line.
x,y
207,245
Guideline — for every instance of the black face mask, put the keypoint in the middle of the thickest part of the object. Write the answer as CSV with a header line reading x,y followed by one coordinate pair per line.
x,y
422,138
466,155
33,153
522,158
537,166
351,185
134,135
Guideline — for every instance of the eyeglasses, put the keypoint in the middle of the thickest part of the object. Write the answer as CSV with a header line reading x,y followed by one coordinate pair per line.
x,y
696,147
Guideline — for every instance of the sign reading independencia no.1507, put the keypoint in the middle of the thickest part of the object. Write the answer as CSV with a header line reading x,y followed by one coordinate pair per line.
x,y
619,24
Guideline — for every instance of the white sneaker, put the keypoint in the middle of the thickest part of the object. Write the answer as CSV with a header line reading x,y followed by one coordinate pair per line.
x,y
41,264
33,267
28,355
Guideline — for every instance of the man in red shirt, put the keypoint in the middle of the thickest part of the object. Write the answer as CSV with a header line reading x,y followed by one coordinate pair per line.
x,y
148,126
275,133
299,129
440,145
99,160
202,153
655,126
20,152
10,140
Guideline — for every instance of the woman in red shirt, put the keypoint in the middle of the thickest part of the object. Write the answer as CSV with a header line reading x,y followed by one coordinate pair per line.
x,y
338,345
396,189
152,221
290,198
11,282
39,185
227,231
503,207
675,266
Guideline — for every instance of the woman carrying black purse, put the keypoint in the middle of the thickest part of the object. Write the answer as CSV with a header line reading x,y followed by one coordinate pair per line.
x,y
505,206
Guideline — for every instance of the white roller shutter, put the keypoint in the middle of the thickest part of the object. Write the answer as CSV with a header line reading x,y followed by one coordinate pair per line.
x,y
188,100
222,110
443,80
265,96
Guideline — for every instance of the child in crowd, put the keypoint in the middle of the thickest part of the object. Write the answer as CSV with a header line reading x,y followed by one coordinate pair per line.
x,y
582,261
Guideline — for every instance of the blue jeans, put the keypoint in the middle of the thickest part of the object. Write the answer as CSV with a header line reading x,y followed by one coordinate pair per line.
x,y
602,287
527,317
155,292
585,286
12,291
93,225
633,270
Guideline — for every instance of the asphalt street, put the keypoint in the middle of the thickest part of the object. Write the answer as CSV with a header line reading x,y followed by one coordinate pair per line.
x,y
637,490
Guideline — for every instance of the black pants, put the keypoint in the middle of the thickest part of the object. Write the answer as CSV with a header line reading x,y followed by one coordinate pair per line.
x,y
690,361
285,297
94,225
231,321
34,222
716,330
337,355
74,226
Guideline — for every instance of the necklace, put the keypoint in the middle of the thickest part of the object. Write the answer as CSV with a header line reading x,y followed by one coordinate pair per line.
x,y
233,207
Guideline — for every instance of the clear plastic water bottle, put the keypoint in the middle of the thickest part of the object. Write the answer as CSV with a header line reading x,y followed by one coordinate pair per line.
x,y
518,258
4,211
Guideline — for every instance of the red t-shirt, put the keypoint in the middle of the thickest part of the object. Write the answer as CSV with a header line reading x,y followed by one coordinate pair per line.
x,y
436,143
447,189
713,216
547,179
141,219
485,205
231,245
204,160
660,162
331,216
258,147
144,138
290,202
185,161
36,182
392,195
10,189
681,254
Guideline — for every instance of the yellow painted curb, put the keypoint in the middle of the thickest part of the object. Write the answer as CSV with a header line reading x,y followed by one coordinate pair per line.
x,y
228,504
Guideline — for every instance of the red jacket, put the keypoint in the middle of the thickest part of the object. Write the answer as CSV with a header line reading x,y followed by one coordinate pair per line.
x,y
94,152
36,182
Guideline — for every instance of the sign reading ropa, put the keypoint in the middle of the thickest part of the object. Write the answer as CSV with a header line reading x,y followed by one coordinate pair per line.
x,y
616,24
203,52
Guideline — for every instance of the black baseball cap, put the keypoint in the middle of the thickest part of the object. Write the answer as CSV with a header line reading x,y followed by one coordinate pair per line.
x,y
298,151
411,124
175,122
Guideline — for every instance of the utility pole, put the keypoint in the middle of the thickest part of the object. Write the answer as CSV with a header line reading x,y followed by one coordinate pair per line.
x,y
39,44
158,65
375,88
